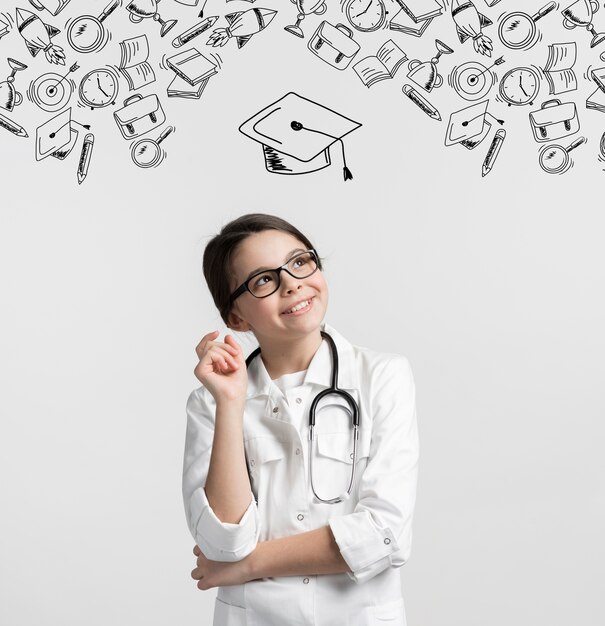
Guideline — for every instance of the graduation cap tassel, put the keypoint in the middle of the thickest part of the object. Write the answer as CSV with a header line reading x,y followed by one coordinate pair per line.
x,y
345,170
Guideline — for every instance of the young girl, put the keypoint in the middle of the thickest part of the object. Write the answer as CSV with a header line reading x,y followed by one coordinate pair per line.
x,y
293,531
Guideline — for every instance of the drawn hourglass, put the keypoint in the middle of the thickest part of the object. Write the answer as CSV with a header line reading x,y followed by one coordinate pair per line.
x,y
580,13
141,9
425,74
305,7
9,96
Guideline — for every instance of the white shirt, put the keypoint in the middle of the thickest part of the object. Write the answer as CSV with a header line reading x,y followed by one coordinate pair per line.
x,y
373,528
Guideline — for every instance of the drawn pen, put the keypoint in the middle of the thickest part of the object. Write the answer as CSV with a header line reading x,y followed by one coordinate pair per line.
x,y
85,155
492,153
421,102
194,31
13,127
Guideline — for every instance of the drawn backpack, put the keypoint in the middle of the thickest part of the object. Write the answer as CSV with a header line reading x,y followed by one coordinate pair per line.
x,y
139,115
554,120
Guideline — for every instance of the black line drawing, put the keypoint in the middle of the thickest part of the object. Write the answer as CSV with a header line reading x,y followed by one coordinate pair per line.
x,y
9,96
559,67
12,126
469,25
596,100
147,152
52,6
520,86
555,159
554,120
5,24
518,30
334,45
142,9
242,25
56,137
602,148
194,31
425,74
469,126
296,134
381,66
421,102
472,80
491,3
493,152
139,115
305,7
401,21
580,14
99,88
52,92
38,36
85,156
366,15
134,62
88,33
190,3
193,71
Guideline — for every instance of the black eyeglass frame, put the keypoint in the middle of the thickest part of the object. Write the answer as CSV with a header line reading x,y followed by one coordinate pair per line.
x,y
278,270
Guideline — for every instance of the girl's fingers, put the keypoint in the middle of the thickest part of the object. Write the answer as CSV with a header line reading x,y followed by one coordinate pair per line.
x,y
202,344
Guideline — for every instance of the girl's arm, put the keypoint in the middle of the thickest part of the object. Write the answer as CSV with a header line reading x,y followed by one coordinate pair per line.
x,y
311,552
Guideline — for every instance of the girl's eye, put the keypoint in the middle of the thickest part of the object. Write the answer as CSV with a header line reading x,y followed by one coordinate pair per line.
x,y
262,280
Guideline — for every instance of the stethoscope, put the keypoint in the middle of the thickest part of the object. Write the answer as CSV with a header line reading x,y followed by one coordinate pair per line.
x,y
332,390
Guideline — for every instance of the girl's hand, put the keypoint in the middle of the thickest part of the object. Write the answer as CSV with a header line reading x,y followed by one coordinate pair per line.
x,y
222,367
218,573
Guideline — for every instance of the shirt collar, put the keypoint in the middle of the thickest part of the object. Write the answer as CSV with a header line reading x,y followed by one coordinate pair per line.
x,y
319,371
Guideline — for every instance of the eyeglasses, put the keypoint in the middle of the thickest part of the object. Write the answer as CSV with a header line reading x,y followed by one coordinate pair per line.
x,y
265,283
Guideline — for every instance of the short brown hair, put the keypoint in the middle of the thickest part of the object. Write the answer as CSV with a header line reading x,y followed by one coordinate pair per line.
x,y
220,249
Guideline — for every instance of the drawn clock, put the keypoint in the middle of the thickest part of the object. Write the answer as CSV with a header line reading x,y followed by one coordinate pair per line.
x,y
366,15
99,88
520,86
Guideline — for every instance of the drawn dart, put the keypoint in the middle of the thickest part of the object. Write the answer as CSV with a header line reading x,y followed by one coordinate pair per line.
x,y
38,35
242,25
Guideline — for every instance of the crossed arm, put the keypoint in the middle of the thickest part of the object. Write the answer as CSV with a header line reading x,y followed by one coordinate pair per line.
x,y
311,552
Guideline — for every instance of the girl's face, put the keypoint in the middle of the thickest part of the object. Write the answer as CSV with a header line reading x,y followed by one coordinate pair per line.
x,y
267,317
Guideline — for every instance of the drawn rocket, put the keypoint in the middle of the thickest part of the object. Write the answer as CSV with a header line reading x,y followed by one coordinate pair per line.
x,y
38,36
469,23
242,25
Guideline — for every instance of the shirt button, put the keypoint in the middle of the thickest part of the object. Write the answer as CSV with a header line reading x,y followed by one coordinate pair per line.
x,y
305,580
387,541
275,409
300,516
297,450
298,400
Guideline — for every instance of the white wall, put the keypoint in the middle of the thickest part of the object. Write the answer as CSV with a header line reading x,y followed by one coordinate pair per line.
x,y
492,287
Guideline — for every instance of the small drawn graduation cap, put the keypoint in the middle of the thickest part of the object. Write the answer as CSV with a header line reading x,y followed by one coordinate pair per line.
x,y
467,123
296,134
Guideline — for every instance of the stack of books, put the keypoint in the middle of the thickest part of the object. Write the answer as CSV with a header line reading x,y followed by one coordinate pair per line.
x,y
413,16
596,100
193,71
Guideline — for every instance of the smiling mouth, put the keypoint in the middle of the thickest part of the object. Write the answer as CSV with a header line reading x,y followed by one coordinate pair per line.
x,y
301,306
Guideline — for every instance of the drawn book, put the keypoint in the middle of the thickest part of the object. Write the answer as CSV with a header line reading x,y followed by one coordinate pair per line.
x,y
383,65
596,100
134,64
180,88
558,72
420,10
402,22
192,66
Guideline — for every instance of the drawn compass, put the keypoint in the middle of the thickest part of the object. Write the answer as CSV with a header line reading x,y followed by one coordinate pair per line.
x,y
99,88
520,86
366,15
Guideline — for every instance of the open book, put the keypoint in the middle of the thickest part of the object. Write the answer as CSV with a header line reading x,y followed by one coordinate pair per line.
x,y
558,72
133,63
384,65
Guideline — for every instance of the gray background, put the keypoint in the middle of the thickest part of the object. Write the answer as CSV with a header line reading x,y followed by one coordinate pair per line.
x,y
493,288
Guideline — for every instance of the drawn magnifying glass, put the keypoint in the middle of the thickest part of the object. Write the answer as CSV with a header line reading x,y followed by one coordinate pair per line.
x,y
555,159
147,152
518,30
87,33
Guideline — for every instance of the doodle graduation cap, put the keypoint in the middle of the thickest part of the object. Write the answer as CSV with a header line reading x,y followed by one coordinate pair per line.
x,y
296,134
468,123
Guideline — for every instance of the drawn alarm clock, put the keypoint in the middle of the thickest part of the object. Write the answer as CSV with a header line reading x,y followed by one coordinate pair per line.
x,y
520,86
99,88
366,15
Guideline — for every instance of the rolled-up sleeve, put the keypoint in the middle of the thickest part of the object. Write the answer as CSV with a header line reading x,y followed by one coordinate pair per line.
x,y
378,533
219,541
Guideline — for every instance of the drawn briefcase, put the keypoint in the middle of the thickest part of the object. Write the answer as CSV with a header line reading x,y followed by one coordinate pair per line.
x,y
334,45
554,120
139,115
